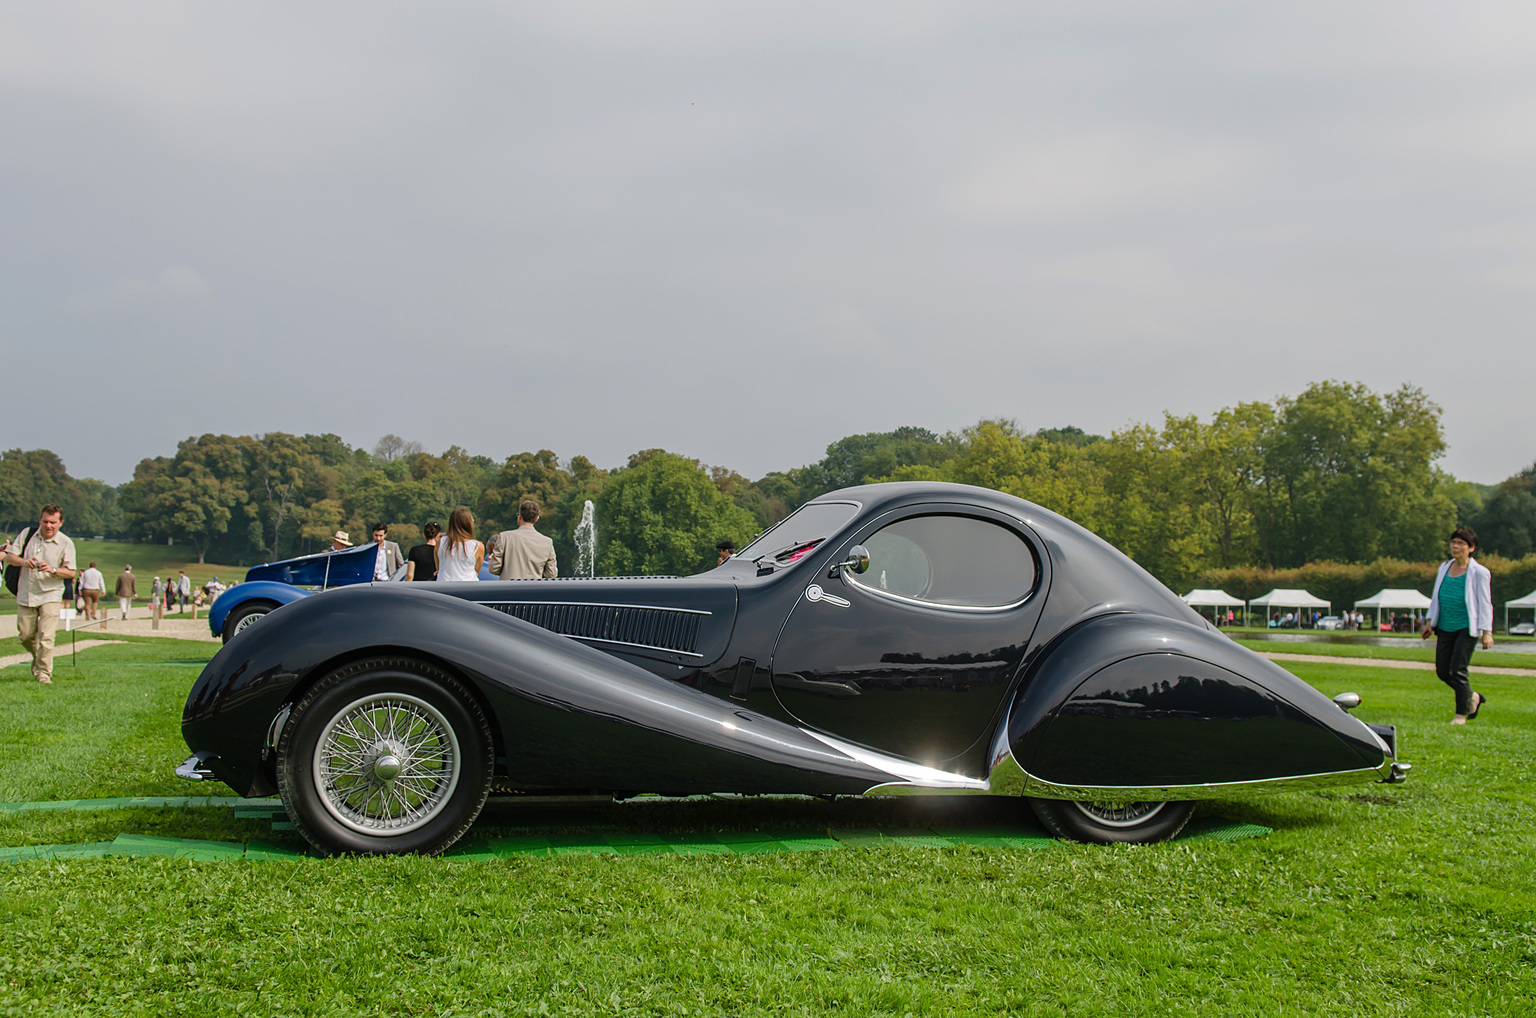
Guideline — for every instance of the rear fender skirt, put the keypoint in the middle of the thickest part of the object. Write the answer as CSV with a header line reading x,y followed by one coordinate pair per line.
x,y
1145,702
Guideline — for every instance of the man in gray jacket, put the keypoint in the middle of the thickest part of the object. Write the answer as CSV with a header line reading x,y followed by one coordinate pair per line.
x,y
524,553
388,558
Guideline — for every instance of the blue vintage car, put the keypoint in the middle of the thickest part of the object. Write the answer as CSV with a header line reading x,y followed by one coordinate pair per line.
x,y
268,587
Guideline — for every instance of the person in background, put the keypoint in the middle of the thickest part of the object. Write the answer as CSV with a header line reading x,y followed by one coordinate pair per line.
x,y
388,558
46,558
524,553
340,541
458,555
421,561
156,592
183,590
1461,606
726,548
92,586
127,589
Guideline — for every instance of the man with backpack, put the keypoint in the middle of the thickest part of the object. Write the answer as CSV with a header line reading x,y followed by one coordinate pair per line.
x,y
41,559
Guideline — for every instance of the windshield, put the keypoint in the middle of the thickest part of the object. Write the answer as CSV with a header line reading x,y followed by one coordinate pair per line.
x,y
808,526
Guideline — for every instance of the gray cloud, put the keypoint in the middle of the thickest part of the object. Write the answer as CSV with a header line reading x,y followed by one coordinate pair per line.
x,y
743,231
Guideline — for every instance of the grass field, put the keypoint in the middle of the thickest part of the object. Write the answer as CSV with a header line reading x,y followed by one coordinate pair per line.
x,y
148,561
1413,899
1416,650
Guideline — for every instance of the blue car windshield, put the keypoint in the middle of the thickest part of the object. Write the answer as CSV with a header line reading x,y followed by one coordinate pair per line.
x,y
800,532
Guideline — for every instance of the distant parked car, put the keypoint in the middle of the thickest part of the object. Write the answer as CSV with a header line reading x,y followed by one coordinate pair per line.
x,y
1523,629
1329,622
269,587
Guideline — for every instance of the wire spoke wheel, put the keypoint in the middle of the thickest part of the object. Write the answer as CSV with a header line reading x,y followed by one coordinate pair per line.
x,y
1120,814
1111,821
386,764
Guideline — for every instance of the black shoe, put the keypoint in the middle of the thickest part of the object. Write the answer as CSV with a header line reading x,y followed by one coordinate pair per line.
x,y
1481,699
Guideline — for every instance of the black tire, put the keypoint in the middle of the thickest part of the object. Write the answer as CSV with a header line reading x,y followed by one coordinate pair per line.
x,y
1112,823
416,786
245,615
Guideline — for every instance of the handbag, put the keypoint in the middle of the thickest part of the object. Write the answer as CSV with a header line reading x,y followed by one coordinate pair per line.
x,y
13,573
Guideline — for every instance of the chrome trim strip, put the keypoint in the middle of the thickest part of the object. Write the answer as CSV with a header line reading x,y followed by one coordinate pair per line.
x,y
1008,778
939,605
623,643
605,604
1040,788
911,774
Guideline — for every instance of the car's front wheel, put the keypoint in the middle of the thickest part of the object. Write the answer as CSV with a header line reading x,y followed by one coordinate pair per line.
x,y
1110,822
385,756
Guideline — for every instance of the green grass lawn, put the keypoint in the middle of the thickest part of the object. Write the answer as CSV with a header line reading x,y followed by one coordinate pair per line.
x,y
1416,650
148,561
1412,899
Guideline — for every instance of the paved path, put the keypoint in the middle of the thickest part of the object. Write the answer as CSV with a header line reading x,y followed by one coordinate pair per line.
x,y
185,628
1380,663
58,651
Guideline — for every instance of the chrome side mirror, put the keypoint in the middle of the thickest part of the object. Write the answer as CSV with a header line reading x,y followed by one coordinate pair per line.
x,y
857,560
1347,701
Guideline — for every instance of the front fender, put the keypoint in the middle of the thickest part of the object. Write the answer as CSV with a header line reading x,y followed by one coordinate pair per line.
x,y
569,716
1137,701
251,590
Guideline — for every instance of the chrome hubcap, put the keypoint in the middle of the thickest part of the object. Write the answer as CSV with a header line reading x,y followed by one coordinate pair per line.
x,y
1120,814
386,764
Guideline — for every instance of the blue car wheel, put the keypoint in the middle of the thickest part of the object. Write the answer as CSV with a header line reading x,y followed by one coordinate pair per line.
x,y
244,616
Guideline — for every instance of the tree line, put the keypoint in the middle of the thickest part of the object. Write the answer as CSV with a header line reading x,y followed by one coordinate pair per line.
x,y
1336,474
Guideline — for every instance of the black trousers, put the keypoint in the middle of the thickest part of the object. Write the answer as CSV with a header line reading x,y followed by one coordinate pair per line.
x,y
1453,652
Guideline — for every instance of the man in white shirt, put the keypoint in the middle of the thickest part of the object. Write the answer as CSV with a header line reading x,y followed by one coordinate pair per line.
x,y
183,590
47,559
388,558
92,586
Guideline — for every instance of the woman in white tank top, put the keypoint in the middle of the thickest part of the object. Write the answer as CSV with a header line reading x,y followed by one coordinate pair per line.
x,y
458,553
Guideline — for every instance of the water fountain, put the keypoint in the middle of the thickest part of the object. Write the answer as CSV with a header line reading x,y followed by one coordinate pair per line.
x,y
586,542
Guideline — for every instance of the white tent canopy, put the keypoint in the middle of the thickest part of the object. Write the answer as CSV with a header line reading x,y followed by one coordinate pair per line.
x,y
1394,597
1211,598
1528,601
1215,599
1282,597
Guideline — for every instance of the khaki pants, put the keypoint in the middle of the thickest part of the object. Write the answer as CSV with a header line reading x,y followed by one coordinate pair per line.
x,y
36,627
125,603
91,597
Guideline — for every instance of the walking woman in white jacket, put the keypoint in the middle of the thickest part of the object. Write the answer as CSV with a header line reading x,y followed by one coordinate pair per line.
x,y
1460,607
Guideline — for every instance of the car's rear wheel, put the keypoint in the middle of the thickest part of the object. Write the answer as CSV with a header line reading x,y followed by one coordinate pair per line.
x,y
243,616
386,756
1111,822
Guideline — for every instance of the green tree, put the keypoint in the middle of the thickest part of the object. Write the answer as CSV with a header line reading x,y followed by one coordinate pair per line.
x,y
663,515
194,496
525,475
859,459
32,479
1350,477
1506,521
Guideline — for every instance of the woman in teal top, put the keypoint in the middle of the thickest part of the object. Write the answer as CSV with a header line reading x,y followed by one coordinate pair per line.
x,y
1461,614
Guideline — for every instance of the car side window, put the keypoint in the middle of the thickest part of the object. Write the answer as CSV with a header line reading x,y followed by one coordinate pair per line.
x,y
949,560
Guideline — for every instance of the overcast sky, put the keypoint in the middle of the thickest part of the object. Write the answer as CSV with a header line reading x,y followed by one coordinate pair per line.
x,y
742,231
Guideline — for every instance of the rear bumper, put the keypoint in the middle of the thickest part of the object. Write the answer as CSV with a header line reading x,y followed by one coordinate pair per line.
x,y
1398,770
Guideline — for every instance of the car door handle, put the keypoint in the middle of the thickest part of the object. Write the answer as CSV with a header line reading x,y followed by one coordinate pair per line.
x,y
815,593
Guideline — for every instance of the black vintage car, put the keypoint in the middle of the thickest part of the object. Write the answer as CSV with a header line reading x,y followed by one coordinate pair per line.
x,y
887,639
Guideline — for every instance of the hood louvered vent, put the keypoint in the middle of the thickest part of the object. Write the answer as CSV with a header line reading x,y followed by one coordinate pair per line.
x,y
673,629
